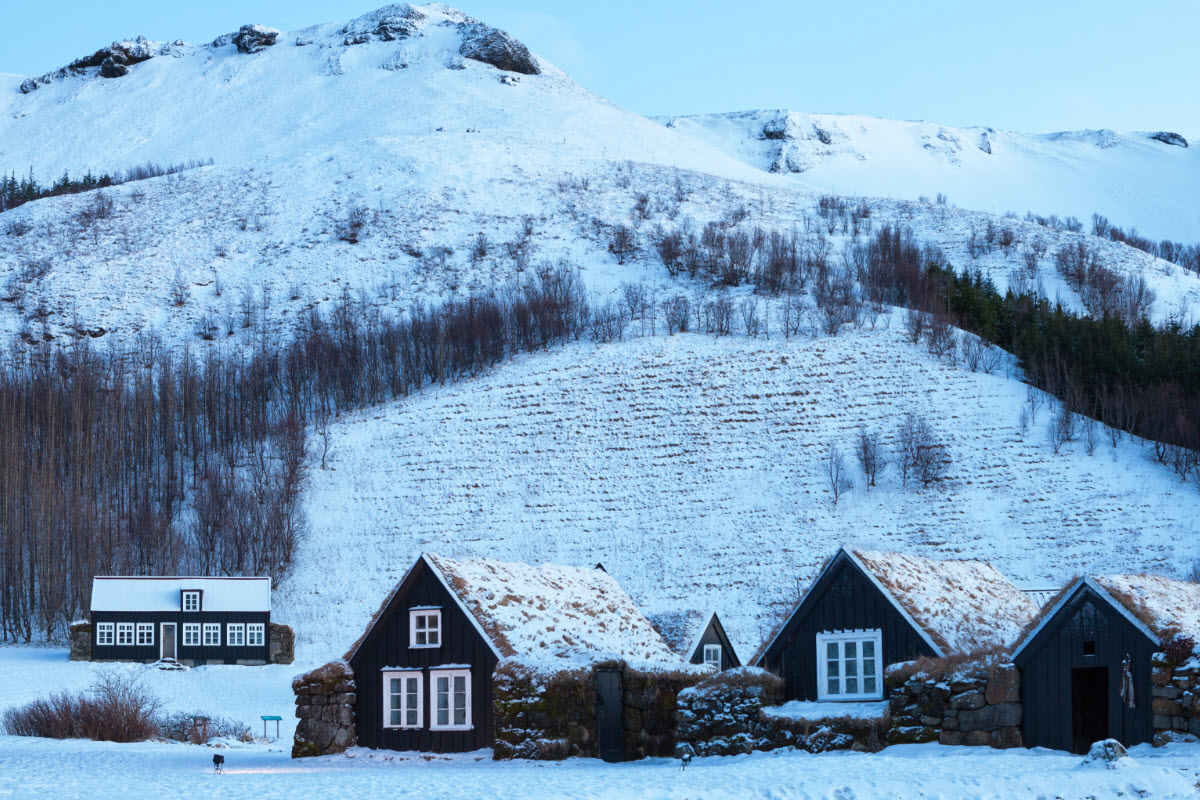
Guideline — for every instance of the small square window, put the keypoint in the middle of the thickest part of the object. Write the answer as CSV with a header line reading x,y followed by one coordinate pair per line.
x,y
425,627
1089,648
191,601
712,655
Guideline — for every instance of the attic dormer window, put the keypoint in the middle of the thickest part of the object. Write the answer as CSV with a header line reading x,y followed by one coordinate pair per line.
x,y
425,627
191,601
712,655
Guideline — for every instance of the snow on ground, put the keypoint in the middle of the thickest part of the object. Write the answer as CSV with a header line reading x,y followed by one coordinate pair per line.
x,y
802,709
41,768
1133,179
692,468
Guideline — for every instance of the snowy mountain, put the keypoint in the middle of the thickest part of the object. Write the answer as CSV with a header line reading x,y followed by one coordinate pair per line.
x,y
1146,180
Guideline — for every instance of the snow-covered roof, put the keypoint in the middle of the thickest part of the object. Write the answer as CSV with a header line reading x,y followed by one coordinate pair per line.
x,y
555,616
964,606
162,594
1050,611
1164,605
682,630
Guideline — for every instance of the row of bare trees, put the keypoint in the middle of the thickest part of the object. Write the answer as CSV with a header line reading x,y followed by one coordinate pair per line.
x,y
139,460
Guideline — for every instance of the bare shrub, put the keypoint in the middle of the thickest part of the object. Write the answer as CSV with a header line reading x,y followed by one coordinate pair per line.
x,y
941,339
915,324
837,473
479,249
677,312
607,322
1062,428
116,708
748,311
177,726
871,459
921,455
353,227
622,243
179,290
669,246
634,297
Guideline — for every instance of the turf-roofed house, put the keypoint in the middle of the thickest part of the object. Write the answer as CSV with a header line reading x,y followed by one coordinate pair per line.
x,y
1112,657
533,661
698,636
869,610
190,621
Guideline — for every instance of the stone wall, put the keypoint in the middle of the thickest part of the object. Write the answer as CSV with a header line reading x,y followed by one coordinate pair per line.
x,y
552,716
282,648
81,641
1173,694
731,713
325,704
977,704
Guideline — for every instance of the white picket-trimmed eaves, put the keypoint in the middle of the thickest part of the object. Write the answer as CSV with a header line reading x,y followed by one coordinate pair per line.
x,y
429,563
1091,583
856,561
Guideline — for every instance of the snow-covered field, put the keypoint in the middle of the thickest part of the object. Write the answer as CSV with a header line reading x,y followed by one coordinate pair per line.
x,y
692,468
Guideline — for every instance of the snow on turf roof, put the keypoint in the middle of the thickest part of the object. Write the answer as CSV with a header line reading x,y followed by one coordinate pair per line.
x,y
162,594
548,614
964,606
1166,606
681,629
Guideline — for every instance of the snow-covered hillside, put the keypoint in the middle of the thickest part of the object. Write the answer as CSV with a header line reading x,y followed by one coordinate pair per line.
x,y
1146,180
692,468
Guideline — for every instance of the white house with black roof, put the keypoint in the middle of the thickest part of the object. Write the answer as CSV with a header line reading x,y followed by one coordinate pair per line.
x,y
192,620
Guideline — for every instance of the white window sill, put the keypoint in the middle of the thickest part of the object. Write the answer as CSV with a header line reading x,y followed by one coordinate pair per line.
x,y
443,728
424,646
402,727
848,698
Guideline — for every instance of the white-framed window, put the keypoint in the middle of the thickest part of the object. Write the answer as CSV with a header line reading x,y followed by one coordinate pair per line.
x,y
191,634
451,690
191,601
402,700
848,665
212,634
255,634
124,633
425,627
104,633
712,655
145,633
235,634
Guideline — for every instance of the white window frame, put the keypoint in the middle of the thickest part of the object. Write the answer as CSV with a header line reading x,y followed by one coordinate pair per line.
x,y
125,633
213,628
449,675
405,693
256,635
840,638
145,634
235,634
713,656
105,634
191,634
191,595
414,632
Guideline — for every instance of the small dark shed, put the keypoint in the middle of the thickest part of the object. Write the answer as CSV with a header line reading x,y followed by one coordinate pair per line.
x,y
426,667
1086,666
697,636
867,610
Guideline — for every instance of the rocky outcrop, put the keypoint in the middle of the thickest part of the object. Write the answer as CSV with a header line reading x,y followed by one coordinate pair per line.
x,y
81,641
1167,137
282,648
388,24
978,704
325,705
249,39
495,47
113,61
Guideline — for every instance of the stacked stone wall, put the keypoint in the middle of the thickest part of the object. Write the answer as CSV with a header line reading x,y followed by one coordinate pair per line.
x,y
975,705
325,705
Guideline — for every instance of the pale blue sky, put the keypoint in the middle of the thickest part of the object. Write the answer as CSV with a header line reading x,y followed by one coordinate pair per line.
x,y
1035,66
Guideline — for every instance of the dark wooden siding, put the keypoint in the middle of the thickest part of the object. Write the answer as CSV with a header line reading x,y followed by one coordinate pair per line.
x,y
715,634
842,599
1047,661
387,646
199,655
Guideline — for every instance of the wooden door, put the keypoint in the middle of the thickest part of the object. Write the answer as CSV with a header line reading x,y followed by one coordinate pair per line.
x,y
610,743
168,641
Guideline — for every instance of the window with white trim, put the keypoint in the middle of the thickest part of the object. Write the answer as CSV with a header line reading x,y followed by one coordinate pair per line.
x,y
451,699
235,634
191,601
425,627
145,633
124,633
191,634
712,655
104,633
402,700
848,665
255,633
212,634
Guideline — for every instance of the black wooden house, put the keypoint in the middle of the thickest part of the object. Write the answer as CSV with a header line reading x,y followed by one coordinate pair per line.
x,y
195,621
1085,667
868,610
425,667
697,636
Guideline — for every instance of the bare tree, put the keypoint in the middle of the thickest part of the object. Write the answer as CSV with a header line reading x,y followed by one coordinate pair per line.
x,y
837,473
622,243
871,459
749,314
1062,428
676,312
180,293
